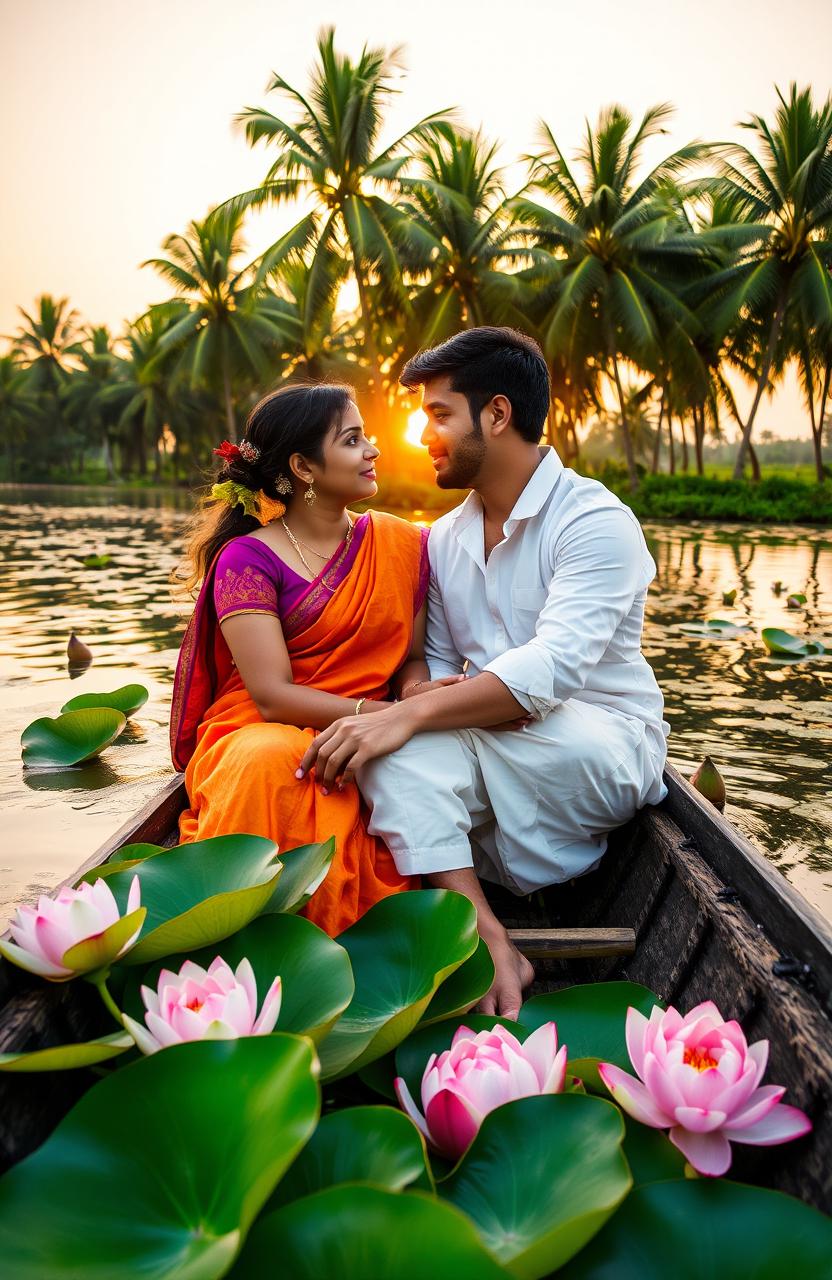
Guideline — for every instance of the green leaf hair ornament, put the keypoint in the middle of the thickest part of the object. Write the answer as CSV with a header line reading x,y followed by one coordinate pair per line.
x,y
235,494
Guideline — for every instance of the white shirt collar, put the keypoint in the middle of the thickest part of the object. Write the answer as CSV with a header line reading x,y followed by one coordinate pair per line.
x,y
531,501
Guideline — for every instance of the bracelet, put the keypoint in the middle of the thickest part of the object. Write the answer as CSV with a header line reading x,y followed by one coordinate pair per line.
x,y
359,704
414,684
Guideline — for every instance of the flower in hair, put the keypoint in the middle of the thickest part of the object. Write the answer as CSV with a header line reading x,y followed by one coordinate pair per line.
x,y
235,494
228,451
249,451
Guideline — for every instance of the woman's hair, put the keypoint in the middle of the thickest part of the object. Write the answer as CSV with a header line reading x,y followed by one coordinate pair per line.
x,y
294,419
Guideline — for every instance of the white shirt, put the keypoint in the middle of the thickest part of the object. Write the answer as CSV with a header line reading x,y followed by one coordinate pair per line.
x,y
556,612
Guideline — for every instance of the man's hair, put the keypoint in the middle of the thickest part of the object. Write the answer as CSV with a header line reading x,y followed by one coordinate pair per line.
x,y
487,362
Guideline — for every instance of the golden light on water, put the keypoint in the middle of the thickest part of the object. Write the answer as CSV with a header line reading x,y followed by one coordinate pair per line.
x,y
415,426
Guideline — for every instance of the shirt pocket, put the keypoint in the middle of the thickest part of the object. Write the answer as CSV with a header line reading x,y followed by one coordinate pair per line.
x,y
528,600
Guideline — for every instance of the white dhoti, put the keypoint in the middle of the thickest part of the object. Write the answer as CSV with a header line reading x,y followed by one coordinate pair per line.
x,y
526,808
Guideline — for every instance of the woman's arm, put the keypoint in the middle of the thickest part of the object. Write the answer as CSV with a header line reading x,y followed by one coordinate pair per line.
x,y
259,651
413,676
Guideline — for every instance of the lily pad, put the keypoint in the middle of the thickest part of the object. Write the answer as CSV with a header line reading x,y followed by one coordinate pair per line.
x,y
796,601
366,1233
66,1057
591,1019
713,627
650,1154
160,1169
401,951
71,737
95,561
304,869
465,986
197,894
777,641
705,1227
541,1177
128,699
379,1145
315,972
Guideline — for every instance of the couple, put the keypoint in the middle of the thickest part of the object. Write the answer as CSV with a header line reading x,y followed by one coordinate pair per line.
x,y
469,704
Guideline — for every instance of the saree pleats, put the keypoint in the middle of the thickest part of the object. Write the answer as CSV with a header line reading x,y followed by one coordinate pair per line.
x,y
240,776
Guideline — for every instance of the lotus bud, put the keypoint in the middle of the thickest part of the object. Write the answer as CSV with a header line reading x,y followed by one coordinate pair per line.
x,y
698,1077
710,783
78,931
78,653
728,597
478,1073
796,601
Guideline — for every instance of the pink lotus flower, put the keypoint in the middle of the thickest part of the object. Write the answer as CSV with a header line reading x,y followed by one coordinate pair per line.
x,y
478,1073
78,931
700,1078
198,1004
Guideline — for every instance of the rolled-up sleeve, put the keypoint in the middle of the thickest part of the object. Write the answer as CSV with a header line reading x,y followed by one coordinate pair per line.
x,y
440,651
599,571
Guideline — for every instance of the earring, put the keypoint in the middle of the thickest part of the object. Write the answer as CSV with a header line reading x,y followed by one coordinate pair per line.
x,y
310,495
283,485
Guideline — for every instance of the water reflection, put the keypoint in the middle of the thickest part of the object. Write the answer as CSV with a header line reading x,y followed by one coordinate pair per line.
x,y
766,722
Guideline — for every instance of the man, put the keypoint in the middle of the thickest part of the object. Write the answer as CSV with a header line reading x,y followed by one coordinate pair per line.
x,y
537,593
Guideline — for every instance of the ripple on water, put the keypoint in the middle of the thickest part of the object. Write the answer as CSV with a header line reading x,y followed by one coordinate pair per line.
x,y
767,725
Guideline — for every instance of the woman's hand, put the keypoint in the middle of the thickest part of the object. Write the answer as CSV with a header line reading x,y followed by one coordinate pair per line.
x,y
416,687
339,751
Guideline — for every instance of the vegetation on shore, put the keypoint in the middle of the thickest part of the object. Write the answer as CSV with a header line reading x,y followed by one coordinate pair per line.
x,y
654,291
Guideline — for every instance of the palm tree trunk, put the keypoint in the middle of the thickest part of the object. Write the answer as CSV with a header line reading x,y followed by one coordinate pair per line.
x,y
762,383
817,429
230,423
699,438
377,407
755,463
684,442
108,458
625,429
657,443
671,445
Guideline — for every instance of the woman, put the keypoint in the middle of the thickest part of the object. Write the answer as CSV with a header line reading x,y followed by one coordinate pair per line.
x,y
306,614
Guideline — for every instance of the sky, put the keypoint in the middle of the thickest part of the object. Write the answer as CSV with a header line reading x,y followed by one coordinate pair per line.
x,y
118,116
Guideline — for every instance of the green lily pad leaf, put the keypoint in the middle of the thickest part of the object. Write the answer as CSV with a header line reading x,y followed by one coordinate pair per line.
x,y
95,561
127,700
401,950
795,601
650,1154
541,1178
713,627
707,1227
365,1233
591,1019
100,950
360,1144
303,871
72,737
435,1037
197,894
66,1057
160,1169
465,986
315,972
132,853
379,1074
777,641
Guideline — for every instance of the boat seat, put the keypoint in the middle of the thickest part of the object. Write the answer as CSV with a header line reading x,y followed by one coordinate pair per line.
x,y
569,944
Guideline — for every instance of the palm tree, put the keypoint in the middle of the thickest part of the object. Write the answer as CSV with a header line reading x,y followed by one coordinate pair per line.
x,y
784,207
87,408
19,409
625,252
329,155
459,238
45,342
224,325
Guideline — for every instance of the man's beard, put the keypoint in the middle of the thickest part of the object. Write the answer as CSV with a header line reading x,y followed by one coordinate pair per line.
x,y
461,471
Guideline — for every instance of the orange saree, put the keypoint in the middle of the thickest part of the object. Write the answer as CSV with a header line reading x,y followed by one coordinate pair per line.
x,y
348,635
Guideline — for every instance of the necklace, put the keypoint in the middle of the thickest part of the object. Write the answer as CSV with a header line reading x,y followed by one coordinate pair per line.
x,y
297,544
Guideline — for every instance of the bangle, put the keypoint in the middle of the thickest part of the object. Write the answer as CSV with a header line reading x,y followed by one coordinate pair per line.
x,y
359,704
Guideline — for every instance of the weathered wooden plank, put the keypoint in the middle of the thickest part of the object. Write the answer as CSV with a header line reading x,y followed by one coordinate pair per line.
x,y
563,944
796,928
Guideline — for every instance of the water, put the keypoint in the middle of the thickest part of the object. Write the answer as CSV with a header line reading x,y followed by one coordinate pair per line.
x,y
767,724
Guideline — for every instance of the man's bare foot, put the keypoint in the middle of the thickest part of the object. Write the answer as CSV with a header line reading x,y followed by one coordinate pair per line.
x,y
512,974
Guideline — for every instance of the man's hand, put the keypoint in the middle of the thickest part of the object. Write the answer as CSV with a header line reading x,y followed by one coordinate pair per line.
x,y
340,750
512,974
416,687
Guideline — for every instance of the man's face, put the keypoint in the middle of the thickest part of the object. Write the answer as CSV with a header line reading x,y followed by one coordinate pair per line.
x,y
455,444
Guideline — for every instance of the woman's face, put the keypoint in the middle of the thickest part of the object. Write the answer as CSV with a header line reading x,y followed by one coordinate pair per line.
x,y
348,472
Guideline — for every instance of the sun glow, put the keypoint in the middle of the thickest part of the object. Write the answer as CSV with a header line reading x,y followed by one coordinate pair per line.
x,y
415,426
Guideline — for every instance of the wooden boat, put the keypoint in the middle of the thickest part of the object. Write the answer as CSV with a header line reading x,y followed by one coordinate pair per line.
x,y
681,902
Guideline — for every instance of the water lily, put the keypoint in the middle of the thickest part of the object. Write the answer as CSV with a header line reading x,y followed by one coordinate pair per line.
x,y
478,1073
78,931
217,1003
699,1078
